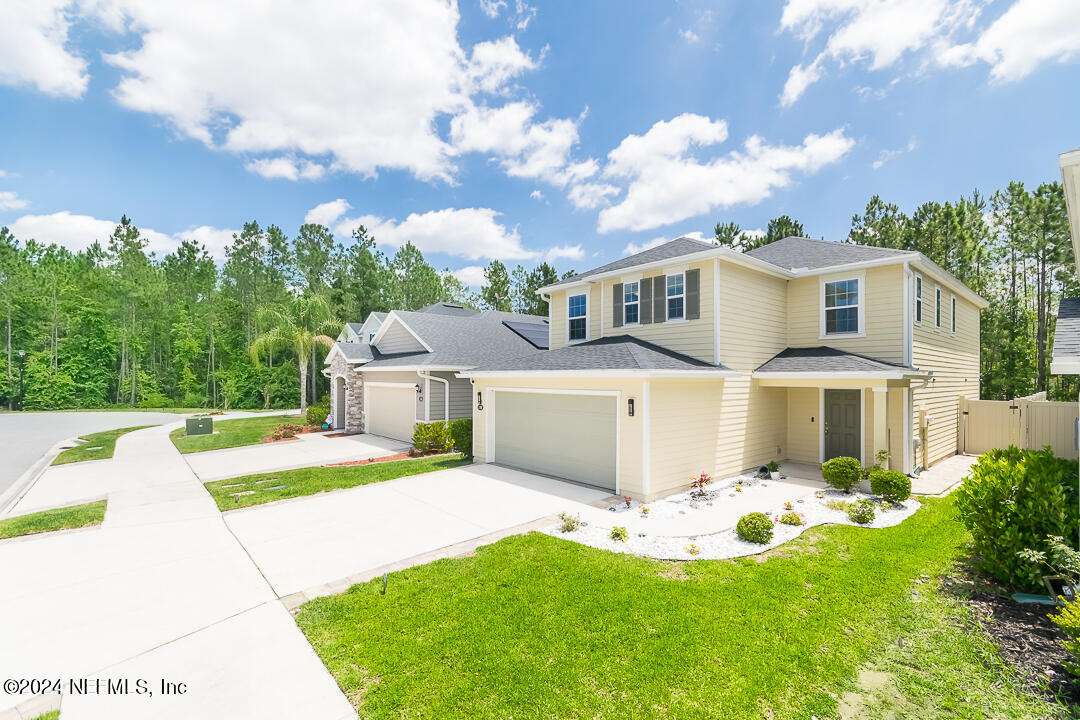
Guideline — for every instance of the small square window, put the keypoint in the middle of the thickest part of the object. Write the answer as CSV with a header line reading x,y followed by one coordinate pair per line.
x,y
576,308
675,297
842,307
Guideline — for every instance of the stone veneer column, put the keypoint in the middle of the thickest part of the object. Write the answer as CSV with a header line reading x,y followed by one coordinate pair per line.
x,y
354,393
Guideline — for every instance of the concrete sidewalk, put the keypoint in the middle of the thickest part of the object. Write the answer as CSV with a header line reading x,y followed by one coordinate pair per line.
x,y
943,478
161,590
307,450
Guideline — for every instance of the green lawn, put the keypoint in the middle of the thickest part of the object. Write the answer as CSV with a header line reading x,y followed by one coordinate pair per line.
x,y
308,481
76,516
539,627
98,446
232,433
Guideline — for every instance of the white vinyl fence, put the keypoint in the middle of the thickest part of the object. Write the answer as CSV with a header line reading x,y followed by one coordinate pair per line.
x,y
1031,424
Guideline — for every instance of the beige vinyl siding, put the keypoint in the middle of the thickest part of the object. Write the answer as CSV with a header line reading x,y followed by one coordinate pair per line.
x,y
721,427
630,428
398,340
460,397
753,316
557,314
803,424
896,429
954,359
883,296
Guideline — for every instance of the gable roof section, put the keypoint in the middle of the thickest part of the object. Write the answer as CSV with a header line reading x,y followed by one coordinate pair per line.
x,y
609,356
444,308
676,248
354,353
1066,355
796,253
539,334
456,342
823,360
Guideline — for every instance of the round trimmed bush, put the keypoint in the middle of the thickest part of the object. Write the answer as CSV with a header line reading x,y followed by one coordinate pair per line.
x,y
843,473
755,527
892,485
861,512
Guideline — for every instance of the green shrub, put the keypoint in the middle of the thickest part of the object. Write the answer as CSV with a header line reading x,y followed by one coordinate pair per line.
x,y
861,512
838,505
1011,501
619,533
317,412
1063,561
755,527
773,466
791,518
1068,619
570,523
461,433
892,485
843,473
432,437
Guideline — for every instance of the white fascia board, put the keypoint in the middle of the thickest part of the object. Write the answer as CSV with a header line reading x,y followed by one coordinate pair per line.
x,y
869,375
330,355
414,368
931,268
391,318
1065,365
526,374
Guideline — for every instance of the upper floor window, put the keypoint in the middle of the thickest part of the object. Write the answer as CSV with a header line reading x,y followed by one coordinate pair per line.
x,y
631,303
676,296
576,313
937,308
918,299
952,314
842,304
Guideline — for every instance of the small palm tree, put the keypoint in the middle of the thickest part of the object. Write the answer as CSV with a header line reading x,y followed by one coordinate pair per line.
x,y
300,327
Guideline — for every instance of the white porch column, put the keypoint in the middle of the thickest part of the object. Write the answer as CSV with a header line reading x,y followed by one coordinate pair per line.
x,y
881,420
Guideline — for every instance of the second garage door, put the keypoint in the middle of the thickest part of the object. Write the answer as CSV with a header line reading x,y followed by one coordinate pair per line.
x,y
390,410
568,436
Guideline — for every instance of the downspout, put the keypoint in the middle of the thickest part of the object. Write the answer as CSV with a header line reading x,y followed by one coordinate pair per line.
x,y
446,393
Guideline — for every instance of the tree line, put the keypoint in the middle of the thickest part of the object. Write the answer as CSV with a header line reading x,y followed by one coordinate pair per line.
x,y
115,325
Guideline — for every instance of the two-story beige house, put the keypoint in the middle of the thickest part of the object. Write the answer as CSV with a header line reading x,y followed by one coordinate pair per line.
x,y
689,357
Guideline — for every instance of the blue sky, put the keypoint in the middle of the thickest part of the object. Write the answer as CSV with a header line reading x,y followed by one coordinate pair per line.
x,y
572,132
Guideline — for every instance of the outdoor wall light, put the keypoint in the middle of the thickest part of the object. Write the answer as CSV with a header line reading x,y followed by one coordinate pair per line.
x,y
479,400
630,407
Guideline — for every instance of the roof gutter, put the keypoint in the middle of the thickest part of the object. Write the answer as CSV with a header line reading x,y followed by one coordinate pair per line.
x,y
704,374
868,375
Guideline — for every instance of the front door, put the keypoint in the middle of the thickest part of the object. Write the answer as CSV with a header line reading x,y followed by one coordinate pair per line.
x,y
843,421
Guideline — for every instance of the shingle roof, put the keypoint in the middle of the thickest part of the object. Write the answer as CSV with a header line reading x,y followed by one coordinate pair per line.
x,y
827,360
620,352
536,333
355,352
796,252
355,327
669,250
460,341
1067,330
444,308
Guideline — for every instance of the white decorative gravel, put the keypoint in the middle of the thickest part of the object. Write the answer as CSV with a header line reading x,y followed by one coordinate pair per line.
x,y
677,521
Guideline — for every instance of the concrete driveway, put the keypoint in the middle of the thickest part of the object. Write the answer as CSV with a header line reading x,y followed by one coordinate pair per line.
x,y
168,589
305,451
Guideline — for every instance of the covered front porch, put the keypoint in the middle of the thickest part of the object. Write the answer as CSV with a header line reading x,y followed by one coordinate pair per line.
x,y
841,404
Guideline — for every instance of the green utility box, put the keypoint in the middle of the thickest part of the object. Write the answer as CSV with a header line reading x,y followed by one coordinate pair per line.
x,y
200,426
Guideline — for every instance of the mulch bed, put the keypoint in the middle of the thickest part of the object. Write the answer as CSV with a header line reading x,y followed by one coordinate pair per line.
x,y
388,458
1028,640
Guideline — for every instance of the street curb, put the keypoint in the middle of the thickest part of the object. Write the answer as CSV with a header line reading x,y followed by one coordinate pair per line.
x,y
10,497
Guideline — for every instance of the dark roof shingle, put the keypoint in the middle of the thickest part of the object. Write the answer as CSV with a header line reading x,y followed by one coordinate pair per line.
x,y
794,253
826,360
1067,330
667,251
621,352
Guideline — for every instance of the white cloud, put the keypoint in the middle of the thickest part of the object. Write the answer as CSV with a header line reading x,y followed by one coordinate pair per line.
x,y
883,33
564,252
536,194
471,275
472,233
494,63
1028,34
633,248
11,201
520,17
328,212
77,232
492,8
591,195
286,168
690,36
668,183
886,155
33,48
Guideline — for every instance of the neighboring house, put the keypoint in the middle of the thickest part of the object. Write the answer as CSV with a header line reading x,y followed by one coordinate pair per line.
x,y
362,332
405,372
1066,354
690,357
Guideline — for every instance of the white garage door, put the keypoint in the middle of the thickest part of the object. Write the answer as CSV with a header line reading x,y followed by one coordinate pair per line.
x,y
390,410
568,436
